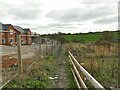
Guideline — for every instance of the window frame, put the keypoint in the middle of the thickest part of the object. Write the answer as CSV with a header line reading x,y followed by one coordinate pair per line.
x,y
11,31
3,41
11,40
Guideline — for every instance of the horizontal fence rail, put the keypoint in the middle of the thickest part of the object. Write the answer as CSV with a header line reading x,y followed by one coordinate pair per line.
x,y
75,79
78,75
93,81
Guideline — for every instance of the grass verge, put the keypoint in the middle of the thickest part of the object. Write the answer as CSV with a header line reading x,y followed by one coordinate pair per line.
x,y
37,76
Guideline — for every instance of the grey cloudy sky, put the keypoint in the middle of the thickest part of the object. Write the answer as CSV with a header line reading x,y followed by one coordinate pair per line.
x,y
69,16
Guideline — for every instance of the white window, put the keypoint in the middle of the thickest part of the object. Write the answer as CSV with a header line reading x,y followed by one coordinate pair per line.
x,y
11,31
3,40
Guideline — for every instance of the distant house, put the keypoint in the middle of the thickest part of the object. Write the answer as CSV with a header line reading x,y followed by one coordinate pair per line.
x,y
28,38
8,35
0,33
34,38
20,31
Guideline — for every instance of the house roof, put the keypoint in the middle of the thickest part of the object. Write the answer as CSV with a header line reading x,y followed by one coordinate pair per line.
x,y
18,28
5,26
26,30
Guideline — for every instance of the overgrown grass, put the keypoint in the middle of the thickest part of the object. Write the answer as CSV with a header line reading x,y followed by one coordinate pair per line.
x,y
103,67
70,78
37,76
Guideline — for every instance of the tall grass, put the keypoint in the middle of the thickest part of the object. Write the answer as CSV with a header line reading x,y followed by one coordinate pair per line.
x,y
101,62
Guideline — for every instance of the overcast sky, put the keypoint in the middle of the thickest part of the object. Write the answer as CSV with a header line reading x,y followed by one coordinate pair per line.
x,y
68,16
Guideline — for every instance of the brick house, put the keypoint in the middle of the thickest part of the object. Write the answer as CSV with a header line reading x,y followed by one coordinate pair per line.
x,y
8,35
21,31
28,38
0,33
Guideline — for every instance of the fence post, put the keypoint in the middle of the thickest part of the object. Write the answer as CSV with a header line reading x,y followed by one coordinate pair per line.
x,y
52,46
46,46
20,63
39,47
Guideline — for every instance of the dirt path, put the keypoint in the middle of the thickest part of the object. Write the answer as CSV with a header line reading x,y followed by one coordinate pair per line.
x,y
61,81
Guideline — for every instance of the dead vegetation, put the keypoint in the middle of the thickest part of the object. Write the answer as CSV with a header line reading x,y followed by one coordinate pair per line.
x,y
101,61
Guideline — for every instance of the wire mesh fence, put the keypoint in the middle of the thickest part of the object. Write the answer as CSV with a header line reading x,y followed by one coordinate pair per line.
x,y
10,57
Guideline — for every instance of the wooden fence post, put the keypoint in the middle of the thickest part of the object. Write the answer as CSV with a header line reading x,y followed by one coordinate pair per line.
x,y
39,47
20,63
52,46
46,46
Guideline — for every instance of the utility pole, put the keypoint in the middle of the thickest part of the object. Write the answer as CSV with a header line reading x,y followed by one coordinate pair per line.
x,y
20,63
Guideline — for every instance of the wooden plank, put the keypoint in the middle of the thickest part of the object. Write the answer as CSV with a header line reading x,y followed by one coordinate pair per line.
x,y
75,79
78,75
93,81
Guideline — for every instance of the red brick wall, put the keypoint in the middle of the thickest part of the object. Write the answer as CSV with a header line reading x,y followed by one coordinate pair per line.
x,y
28,39
23,38
9,36
16,33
